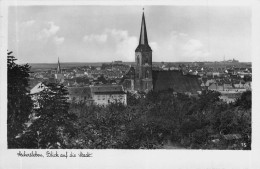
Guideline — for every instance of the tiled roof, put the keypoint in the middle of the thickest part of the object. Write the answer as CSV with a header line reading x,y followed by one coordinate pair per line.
x,y
164,80
107,89
130,71
79,91
130,74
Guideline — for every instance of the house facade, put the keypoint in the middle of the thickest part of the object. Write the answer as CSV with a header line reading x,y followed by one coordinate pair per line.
x,y
104,95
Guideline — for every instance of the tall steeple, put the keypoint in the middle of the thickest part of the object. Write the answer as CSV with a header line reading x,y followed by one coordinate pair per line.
x,y
143,34
143,40
143,60
58,68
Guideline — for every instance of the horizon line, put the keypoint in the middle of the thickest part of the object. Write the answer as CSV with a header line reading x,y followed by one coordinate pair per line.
x,y
132,62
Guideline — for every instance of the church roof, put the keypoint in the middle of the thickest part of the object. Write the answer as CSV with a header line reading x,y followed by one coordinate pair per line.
x,y
164,80
130,72
143,40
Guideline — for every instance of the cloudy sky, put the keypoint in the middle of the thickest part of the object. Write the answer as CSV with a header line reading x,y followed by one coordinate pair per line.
x,y
41,34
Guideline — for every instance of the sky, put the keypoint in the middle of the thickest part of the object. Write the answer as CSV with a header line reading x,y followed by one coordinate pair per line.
x,y
42,34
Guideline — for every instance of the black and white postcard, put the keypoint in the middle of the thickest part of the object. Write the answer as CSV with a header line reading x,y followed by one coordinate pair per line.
x,y
129,84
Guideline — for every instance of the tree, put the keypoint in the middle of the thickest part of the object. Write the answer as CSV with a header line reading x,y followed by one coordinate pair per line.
x,y
247,78
244,105
54,124
132,99
19,100
245,101
153,119
99,126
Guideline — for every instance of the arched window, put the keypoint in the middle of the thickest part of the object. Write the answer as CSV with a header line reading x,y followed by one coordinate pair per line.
x,y
146,60
138,60
147,74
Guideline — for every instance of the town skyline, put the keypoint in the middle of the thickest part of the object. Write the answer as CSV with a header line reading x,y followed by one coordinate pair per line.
x,y
185,34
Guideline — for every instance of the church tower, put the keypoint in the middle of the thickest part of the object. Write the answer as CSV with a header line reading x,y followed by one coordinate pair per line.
x,y
59,76
58,67
143,60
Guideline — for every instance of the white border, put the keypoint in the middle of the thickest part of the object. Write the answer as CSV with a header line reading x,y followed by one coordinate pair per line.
x,y
137,158
133,2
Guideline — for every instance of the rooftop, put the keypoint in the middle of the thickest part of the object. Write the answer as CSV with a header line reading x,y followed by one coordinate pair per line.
x,y
115,89
164,80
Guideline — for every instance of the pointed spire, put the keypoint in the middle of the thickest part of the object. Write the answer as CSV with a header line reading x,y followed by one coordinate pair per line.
x,y
143,40
58,68
143,34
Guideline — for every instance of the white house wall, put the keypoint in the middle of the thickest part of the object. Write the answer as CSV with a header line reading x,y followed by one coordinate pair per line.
x,y
106,99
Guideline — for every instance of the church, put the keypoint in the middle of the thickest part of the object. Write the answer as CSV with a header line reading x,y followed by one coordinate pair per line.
x,y
143,78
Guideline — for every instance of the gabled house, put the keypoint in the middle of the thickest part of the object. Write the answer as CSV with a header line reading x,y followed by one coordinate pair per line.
x,y
34,92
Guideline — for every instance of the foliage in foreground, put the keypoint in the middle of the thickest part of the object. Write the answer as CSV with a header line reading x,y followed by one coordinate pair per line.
x,y
162,117
19,105
51,123
36,121
148,121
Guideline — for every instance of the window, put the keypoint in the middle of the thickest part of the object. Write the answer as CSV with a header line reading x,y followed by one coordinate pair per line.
x,y
146,60
138,60
147,74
